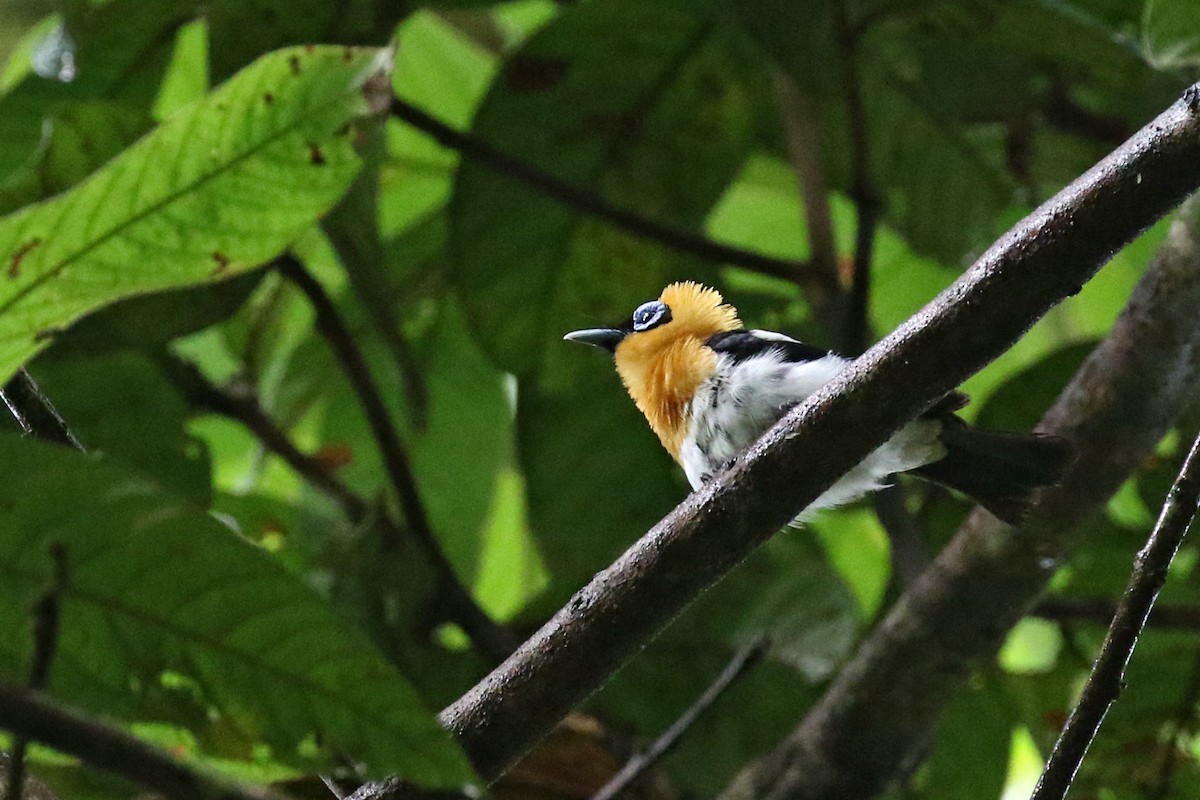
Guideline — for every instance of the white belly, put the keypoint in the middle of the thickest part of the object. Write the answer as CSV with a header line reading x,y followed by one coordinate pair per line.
x,y
743,399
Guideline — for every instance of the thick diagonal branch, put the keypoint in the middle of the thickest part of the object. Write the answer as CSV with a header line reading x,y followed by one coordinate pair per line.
x,y
1116,408
1046,257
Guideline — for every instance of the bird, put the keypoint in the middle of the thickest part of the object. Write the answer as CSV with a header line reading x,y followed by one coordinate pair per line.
x,y
710,387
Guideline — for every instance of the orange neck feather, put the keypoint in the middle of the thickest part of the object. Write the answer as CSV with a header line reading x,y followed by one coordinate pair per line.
x,y
662,368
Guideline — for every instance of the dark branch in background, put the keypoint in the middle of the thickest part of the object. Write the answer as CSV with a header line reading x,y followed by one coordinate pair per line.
x,y
802,138
875,720
45,641
863,192
1100,611
32,715
589,203
243,407
34,412
493,640
1046,258
745,658
1108,674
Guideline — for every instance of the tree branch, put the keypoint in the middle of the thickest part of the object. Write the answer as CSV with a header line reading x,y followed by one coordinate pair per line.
x,y
743,660
1116,408
1047,257
1108,674
1100,611
32,715
492,639
586,202
243,407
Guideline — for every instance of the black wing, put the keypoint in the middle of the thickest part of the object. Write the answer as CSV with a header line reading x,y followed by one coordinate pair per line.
x,y
740,345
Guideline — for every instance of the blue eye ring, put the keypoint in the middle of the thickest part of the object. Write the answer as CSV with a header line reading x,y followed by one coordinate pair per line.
x,y
650,315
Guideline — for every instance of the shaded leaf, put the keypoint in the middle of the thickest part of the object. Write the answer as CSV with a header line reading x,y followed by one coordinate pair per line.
x,y
164,610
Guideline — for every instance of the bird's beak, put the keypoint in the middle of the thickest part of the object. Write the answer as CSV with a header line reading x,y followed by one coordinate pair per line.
x,y
607,338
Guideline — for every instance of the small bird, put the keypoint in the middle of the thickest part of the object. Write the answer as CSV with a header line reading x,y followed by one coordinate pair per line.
x,y
709,388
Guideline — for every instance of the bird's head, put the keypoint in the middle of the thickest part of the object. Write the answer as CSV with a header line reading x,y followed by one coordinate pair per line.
x,y
660,353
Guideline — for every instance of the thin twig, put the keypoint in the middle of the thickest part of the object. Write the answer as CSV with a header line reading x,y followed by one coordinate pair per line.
x,y
45,642
589,203
746,657
32,715
1108,675
34,412
492,640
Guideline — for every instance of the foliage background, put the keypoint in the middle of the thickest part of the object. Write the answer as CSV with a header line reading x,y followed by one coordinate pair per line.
x,y
533,467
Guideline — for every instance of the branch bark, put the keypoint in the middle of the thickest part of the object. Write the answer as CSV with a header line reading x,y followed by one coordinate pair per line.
x,y
1108,674
31,715
1045,258
1116,408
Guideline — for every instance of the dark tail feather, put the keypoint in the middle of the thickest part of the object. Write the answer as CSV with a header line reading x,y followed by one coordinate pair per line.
x,y
999,471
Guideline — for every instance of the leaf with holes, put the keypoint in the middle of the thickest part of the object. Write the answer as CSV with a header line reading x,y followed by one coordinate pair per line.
x,y
167,614
220,187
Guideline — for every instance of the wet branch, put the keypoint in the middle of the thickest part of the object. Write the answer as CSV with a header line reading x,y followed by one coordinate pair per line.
x,y
1045,258
1117,407
1108,674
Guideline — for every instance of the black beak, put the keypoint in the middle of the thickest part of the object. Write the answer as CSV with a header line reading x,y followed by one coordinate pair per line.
x,y
607,338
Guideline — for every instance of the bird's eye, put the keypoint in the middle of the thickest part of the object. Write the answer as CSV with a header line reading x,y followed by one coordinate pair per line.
x,y
650,315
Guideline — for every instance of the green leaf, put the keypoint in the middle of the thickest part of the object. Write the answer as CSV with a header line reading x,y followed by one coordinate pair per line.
x,y
970,756
119,405
166,613
1171,33
644,102
217,189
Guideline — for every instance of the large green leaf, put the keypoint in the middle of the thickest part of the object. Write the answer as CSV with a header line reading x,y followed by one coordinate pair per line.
x,y
643,102
220,187
166,613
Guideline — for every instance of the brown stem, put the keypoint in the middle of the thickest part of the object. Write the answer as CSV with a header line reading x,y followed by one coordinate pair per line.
x,y
491,639
32,715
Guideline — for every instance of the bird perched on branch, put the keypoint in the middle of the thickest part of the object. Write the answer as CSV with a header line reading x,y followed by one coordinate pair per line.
x,y
709,388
